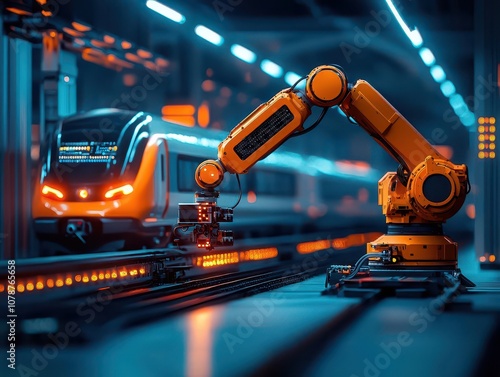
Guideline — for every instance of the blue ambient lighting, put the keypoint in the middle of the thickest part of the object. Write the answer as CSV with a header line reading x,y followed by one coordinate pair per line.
x,y
208,35
271,68
166,11
243,53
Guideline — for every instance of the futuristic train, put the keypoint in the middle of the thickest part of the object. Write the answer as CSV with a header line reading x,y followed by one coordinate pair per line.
x,y
112,180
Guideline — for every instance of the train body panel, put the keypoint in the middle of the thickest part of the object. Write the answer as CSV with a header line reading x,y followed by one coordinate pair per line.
x,y
113,179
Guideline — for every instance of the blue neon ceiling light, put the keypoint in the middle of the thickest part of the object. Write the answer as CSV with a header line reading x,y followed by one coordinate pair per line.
x,y
466,116
209,35
243,53
437,73
291,78
447,88
271,68
166,11
413,35
427,56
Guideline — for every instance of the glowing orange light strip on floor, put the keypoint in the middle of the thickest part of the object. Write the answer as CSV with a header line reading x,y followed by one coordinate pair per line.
x,y
78,278
234,257
337,243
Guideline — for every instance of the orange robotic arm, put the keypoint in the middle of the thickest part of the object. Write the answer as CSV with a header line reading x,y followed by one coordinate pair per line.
x,y
428,187
426,191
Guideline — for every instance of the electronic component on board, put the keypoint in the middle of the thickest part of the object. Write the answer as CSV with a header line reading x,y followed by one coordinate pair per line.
x,y
204,216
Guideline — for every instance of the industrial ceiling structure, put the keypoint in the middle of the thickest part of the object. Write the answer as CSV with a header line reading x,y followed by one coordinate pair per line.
x,y
363,37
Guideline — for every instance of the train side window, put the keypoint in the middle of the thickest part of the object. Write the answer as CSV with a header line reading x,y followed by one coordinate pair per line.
x,y
186,166
230,184
332,189
274,183
162,157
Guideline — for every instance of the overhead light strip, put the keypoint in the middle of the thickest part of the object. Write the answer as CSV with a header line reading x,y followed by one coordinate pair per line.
x,y
437,72
166,11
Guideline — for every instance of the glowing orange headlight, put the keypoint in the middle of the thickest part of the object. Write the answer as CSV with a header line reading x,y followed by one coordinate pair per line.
x,y
119,191
83,193
51,192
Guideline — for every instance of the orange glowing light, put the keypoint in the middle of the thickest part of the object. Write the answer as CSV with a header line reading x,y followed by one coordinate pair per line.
x,y
126,45
93,277
50,283
69,31
482,258
2,288
85,279
470,210
114,275
107,275
492,120
133,58
123,273
208,86
19,11
311,247
20,288
149,65
162,63
492,155
50,191
480,129
493,129
142,271
480,155
258,254
491,258
109,39
144,54
251,197
80,27
480,120
445,150
68,281
83,194
133,272
59,283
78,278
218,259
39,285
101,276
204,114
122,190
178,110
182,120
30,286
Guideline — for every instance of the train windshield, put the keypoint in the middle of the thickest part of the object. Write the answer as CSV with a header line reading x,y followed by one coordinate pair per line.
x,y
90,149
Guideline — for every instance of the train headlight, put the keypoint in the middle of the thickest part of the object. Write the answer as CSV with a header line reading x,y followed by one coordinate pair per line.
x,y
119,191
52,192
83,193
